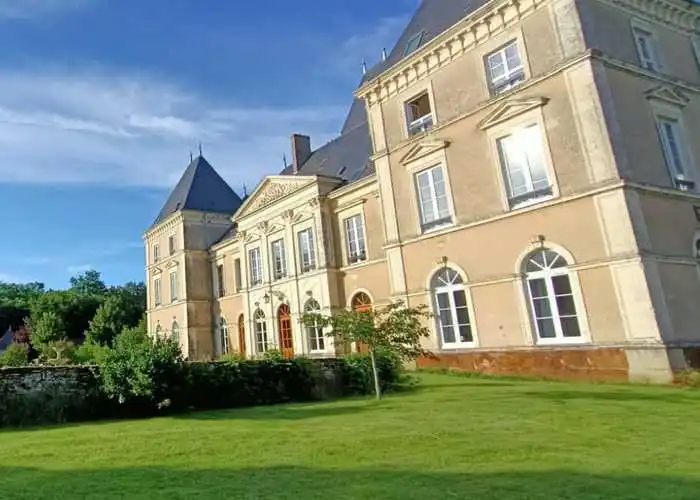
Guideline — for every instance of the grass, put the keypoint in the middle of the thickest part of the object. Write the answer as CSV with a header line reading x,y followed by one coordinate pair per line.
x,y
452,437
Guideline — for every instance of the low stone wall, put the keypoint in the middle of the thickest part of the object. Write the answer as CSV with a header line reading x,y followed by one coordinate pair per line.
x,y
39,378
592,364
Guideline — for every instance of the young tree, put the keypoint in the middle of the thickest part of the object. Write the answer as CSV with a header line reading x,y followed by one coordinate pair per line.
x,y
395,329
45,328
109,321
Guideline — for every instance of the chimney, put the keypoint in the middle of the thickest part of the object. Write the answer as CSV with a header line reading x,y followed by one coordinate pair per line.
x,y
301,151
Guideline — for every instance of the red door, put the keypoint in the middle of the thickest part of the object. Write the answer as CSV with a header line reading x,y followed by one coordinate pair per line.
x,y
284,320
361,303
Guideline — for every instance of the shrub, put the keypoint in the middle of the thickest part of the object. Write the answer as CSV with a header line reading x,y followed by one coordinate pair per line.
x,y
690,378
15,355
57,353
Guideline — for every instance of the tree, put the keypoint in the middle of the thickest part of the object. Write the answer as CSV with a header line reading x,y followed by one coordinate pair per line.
x,y
88,283
393,329
15,355
75,310
109,320
45,328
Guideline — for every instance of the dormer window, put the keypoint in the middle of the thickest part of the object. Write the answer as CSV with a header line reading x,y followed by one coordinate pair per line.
x,y
419,114
413,43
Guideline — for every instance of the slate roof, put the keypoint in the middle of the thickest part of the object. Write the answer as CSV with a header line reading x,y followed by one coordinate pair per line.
x,y
202,189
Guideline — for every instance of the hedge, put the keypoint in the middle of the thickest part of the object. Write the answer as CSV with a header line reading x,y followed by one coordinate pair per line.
x,y
52,395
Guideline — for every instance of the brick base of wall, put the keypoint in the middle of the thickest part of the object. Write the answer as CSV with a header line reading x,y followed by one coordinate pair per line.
x,y
592,364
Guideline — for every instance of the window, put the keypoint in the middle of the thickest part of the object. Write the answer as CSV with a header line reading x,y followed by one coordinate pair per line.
x,y
173,286
175,333
307,251
451,309
432,198
696,49
223,334
413,43
314,330
551,297
524,168
156,254
237,274
156,292
675,153
261,340
355,236
171,244
505,69
646,48
279,260
220,280
256,272
419,115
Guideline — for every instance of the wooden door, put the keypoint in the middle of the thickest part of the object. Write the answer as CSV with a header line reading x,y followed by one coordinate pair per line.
x,y
241,335
361,302
284,320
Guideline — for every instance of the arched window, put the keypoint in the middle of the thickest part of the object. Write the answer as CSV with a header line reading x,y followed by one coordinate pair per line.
x,y
551,297
261,340
175,332
451,308
314,330
223,333
361,302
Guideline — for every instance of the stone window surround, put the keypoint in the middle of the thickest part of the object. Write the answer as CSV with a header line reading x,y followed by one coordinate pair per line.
x,y
307,225
418,90
662,110
657,52
344,214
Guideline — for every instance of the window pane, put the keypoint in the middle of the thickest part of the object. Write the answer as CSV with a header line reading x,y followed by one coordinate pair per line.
x,y
443,301
570,327
496,66
562,285
566,305
546,328
542,308
465,334
513,56
515,166
448,334
538,288
460,298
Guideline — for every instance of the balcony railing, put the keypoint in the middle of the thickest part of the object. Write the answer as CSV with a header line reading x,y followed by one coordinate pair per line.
x,y
354,258
420,125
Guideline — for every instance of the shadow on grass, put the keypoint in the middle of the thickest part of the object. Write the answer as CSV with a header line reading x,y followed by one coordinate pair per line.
x,y
295,411
636,395
302,483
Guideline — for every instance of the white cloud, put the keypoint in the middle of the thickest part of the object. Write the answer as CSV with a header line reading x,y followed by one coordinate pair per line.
x,y
10,278
23,9
91,126
81,268
368,45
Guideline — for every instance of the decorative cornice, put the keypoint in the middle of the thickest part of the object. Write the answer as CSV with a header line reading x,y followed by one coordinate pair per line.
x,y
676,14
668,94
423,149
509,109
486,22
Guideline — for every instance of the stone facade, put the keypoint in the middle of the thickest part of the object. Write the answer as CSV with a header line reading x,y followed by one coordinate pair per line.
x,y
544,203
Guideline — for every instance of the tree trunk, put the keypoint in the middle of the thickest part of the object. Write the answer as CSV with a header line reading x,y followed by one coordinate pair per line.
x,y
375,373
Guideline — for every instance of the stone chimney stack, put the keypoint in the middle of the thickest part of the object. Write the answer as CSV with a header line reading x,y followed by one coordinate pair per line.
x,y
301,151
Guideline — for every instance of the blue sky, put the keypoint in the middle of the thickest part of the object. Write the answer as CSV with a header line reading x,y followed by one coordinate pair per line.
x,y
101,102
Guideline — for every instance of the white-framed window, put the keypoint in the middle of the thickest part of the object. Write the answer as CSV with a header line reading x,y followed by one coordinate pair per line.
x,y
675,153
173,286
419,114
279,259
175,332
551,298
156,253
256,270
505,68
171,244
220,280
317,341
646,48
238,277
223,335
451,309
433,199
524,167
157,297
307,250
355,239
262,342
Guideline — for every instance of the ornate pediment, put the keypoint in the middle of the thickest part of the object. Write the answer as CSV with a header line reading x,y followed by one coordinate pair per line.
x,y
668,95
423,149
157,271
509,109
274,188
172,264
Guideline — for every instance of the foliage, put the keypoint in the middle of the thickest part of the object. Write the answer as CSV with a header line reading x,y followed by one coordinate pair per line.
x,y
46,327
394,330
88,283
690,378
89,353
15,355
75,312
273,355
109,320
57,353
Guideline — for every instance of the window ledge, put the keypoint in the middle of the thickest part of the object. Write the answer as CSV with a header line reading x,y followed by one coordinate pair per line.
x,y
532,201
438,227
456,347
562,341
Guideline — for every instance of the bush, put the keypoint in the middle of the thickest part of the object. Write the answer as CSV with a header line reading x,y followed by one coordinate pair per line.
x,y
690,378
15,355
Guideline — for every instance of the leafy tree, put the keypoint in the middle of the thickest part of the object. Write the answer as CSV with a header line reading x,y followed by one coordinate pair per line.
x,y
15,355
75,310
109,320
57,353
88,283
395,329
15,301
45,328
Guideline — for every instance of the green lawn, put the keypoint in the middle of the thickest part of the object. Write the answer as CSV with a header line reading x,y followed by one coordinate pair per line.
x,y
453,437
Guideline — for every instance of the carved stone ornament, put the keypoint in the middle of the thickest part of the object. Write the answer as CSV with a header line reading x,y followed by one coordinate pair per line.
x,y
262,226
273,192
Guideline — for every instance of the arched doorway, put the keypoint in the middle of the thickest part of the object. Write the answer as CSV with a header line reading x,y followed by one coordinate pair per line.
x,y
284,320
361,303
241,335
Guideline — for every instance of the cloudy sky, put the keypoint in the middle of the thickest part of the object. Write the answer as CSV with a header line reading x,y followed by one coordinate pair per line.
x,y
101,102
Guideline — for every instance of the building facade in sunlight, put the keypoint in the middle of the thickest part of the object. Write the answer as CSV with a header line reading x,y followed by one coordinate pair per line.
x,y
527,168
